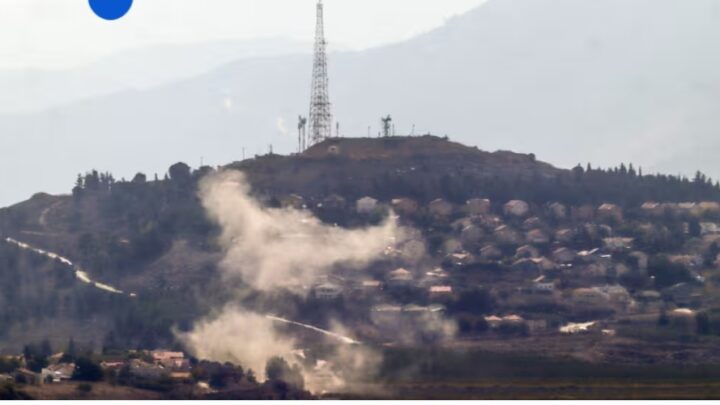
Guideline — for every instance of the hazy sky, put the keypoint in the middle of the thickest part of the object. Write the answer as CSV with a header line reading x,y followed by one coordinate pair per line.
x,y
61,33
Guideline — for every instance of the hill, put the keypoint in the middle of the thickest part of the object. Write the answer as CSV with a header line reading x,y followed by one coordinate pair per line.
x,y
153,256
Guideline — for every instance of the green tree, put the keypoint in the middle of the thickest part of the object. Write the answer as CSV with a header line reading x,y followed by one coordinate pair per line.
x,y
87,370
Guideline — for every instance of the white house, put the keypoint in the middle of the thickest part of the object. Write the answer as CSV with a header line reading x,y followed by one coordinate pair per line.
x,y
440,208
58,372
478,206
366,205
327,291
399,278
516,208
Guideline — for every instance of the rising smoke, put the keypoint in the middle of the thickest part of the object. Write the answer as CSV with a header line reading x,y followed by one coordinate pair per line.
x,y
273,249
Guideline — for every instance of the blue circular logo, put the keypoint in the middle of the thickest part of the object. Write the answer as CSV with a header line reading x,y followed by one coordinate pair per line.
x,y
110,9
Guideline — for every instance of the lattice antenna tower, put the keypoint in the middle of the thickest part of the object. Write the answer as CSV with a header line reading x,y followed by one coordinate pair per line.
x,y
320,111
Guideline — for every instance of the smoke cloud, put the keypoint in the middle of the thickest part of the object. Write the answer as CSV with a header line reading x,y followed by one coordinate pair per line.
x,y
239,337
271,249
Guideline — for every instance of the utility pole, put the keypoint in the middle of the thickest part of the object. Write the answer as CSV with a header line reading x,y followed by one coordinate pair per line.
x,y
302,135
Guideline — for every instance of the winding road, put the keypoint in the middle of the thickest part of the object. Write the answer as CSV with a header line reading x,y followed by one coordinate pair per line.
x,y
80,274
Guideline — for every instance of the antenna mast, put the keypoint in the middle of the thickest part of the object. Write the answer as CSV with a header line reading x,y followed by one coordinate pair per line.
x,y
320,114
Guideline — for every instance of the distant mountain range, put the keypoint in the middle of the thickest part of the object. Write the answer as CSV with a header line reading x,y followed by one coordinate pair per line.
x,y
569,80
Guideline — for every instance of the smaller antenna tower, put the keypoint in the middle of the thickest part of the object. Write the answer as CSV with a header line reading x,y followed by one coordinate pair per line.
x,y
386,125
302,134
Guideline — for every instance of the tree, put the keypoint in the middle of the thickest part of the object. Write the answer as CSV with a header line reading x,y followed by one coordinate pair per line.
x,y
45,348
278,370
251,376
139,178
179,172
87,370
474,301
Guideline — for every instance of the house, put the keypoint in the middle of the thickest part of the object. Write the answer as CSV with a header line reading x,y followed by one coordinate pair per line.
x,y
112,364
537,237
709,207
148,371
516,208
564,255
472,235
507,236
532,223
366,205
649,301
683,294
493,321
610,212
437,274
687,261
460,259
536,265
452,245
652,209
543,288
58,373
527,252
490,221
179,375
683,318
371,285
490,252
165,355
399,278
558,211
23,375
478,206
564,235
588,256
440,291
327,291
589,296
440,208
293,201
413,251
334,202
689,209
618,244
617,294
577,328
709,228
405,206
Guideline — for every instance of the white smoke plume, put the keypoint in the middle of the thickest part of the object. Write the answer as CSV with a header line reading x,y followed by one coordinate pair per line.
x,y
281,126
270,249
273,248
239,337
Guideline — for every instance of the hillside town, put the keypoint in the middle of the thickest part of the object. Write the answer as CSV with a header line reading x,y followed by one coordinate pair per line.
x,y
540,270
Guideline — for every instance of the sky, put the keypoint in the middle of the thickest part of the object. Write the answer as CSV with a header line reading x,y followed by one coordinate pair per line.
x,y
56,34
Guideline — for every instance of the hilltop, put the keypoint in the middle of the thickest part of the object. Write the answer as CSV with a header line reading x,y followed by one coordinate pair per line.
x,y
152,241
